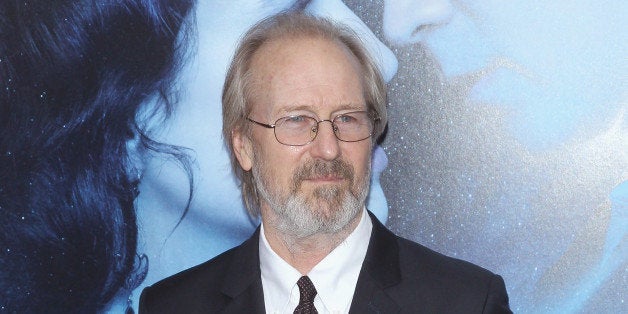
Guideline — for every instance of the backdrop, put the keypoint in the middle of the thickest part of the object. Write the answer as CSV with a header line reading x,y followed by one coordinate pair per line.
x,y
506,144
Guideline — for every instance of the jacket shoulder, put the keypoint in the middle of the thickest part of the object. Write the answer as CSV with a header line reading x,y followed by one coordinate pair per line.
x,y
453,284
412,277
412,254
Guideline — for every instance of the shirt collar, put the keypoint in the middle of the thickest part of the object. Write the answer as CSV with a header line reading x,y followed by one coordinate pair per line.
x,y
334,277
278,277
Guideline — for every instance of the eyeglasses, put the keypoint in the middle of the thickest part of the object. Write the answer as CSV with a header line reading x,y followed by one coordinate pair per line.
x,y
301,130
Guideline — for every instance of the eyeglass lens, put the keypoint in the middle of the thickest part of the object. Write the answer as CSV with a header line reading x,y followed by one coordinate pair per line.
x,y
302,129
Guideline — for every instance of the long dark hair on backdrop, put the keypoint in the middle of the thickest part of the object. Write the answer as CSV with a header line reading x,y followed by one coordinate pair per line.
x,y
73,75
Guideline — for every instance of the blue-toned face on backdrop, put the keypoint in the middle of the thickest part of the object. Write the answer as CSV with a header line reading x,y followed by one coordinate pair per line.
x,y
558,67
216,219
519,145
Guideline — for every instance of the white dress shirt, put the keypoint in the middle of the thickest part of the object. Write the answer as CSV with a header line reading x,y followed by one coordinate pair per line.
x,y
334,278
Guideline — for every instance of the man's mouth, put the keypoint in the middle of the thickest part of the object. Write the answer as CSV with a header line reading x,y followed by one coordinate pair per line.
x,y
317,172
325,178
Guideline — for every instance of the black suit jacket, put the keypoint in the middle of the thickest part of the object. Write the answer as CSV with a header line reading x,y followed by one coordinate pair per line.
x,y
397,276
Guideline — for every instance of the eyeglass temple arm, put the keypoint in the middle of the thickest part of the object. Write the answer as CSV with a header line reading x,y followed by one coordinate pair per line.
x,y
268,126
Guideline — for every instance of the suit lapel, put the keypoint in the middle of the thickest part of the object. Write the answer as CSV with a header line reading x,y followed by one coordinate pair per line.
x,y
380,270
243,282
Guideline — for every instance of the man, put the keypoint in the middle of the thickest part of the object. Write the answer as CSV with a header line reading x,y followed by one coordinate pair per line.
x,y
302,106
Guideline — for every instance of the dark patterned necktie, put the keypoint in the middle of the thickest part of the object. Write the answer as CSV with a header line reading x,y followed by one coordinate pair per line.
x,y
306,300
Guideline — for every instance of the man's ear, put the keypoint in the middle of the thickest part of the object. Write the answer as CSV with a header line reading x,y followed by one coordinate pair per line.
x,y
243,149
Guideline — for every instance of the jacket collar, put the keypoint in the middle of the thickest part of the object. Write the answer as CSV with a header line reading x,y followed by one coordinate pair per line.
x,y
380,270
243,282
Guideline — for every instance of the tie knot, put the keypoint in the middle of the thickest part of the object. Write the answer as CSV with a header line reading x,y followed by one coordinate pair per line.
x,y
306,289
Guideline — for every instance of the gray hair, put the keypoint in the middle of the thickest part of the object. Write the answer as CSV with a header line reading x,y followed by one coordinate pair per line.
x,y
237,91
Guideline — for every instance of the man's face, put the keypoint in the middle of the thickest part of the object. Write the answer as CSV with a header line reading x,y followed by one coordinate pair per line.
x,y
319,187
197,123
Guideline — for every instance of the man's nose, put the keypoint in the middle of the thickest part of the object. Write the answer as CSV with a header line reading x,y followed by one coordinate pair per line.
x,y
326,145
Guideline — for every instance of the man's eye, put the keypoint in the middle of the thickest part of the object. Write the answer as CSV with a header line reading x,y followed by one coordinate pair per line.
x,y
295,119
345,119
296,122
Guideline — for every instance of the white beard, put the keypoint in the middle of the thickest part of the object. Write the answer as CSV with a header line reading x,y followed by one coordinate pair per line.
x,y
328,209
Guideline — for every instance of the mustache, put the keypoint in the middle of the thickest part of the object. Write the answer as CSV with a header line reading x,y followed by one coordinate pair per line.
x,y
319,168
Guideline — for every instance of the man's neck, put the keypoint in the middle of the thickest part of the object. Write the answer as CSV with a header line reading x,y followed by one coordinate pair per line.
x,y
305,253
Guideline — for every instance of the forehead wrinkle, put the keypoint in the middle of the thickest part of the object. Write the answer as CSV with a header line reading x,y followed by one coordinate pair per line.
x,y
322,98
312,108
